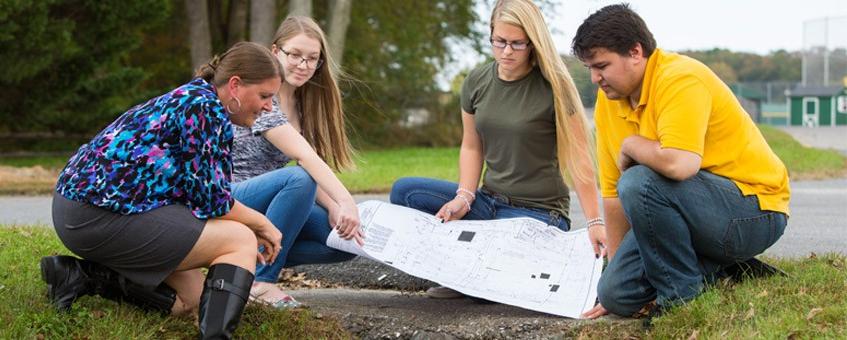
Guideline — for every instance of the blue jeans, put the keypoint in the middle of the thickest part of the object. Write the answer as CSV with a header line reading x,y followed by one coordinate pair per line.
x,y
429,195
287,197
682,233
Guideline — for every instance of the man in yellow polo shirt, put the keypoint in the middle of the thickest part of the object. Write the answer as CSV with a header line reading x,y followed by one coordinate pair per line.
x,y
690,187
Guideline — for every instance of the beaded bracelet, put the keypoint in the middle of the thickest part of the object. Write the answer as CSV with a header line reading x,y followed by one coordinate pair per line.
x,y
594,221
467,202
461,190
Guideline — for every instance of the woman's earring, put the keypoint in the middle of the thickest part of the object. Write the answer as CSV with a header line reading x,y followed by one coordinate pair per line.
x,y
231,111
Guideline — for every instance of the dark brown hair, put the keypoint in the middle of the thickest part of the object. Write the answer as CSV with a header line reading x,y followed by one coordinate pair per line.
x,y
616,28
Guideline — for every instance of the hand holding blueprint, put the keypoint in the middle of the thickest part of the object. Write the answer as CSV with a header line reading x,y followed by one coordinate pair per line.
x,y
521,262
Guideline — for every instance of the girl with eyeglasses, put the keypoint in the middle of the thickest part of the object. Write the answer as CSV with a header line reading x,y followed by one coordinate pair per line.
x,y
305,124
523,120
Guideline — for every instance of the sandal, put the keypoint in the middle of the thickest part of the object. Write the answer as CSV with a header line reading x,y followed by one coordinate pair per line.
x,y
257,294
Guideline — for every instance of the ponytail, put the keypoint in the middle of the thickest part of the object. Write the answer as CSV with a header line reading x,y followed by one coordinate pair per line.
x,y
207,70
252,62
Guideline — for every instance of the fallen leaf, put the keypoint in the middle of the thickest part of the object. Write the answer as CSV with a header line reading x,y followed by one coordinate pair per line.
x,y
694,335
750,313
813,312
837,263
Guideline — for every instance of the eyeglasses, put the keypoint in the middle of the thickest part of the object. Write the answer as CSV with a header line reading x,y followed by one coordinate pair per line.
x,y
297,60
515,45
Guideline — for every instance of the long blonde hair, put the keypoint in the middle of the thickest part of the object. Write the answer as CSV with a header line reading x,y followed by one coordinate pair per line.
x,y
319,99
573,140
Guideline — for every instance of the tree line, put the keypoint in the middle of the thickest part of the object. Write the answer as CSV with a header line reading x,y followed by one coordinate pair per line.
x,y
71,66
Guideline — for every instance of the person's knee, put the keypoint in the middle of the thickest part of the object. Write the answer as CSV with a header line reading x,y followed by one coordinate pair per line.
x,y
299,176
240,239
400,189
606,296
633,180
612,297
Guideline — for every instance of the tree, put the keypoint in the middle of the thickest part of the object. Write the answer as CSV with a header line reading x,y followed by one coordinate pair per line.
x,y
300,7
339,21
237,26
396,48
199,37
262,21
65,62
723,71
582,79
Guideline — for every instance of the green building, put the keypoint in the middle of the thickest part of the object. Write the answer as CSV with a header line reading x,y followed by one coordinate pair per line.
x,y
818,105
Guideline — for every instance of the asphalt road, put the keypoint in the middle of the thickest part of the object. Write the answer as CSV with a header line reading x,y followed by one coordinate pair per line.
x,y
818,220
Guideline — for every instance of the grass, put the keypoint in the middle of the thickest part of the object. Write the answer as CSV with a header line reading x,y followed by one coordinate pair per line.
x,y
810,303
47,162
25,312
804,162
378,169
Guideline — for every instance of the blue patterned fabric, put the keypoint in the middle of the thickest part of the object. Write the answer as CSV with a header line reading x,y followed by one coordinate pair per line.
x,y
174,148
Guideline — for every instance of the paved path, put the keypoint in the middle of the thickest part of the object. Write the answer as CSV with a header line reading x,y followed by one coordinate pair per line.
x,y
825,137
818,217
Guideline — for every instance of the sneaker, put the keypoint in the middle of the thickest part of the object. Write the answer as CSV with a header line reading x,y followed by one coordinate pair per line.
x,y
442,292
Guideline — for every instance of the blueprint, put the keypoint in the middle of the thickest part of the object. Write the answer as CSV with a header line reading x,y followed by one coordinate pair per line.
x,y
521,261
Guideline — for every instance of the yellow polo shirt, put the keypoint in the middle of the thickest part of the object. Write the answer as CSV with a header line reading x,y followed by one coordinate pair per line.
x,y
685,106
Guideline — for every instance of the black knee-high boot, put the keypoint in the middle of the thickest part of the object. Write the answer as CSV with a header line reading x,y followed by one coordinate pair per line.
x,y
225,293
69,278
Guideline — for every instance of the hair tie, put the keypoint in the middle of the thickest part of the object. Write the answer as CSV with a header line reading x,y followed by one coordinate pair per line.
x,y
215,62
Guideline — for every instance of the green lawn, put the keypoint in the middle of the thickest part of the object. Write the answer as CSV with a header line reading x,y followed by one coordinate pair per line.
x,y
810,303
804,162
47,162
378,169
25,312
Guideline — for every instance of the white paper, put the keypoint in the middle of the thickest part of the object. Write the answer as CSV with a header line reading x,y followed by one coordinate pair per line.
x,y
521,261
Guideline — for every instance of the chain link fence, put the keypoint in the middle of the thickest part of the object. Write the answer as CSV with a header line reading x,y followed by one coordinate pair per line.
x,y
824,51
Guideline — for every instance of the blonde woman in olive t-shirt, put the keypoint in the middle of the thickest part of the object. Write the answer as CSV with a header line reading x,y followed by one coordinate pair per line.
x,y
522,118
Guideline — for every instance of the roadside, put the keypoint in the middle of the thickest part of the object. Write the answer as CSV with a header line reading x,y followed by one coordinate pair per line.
x,y
372,300
817,223
822,137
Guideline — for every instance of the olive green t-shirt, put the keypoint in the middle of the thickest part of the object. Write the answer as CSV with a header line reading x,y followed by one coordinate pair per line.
x,y
516,122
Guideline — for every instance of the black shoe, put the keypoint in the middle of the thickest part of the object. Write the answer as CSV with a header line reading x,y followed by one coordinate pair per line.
x,y
66,281
655,312
751,268
69,278
225,293
109,284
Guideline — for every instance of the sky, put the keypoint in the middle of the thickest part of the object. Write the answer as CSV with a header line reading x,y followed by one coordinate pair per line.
x,y
756,26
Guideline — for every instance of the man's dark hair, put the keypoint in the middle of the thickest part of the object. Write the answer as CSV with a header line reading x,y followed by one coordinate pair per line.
x,y
616,28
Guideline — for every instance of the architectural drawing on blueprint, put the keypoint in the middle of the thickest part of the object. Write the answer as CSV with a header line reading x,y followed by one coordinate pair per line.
x,y
521,262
